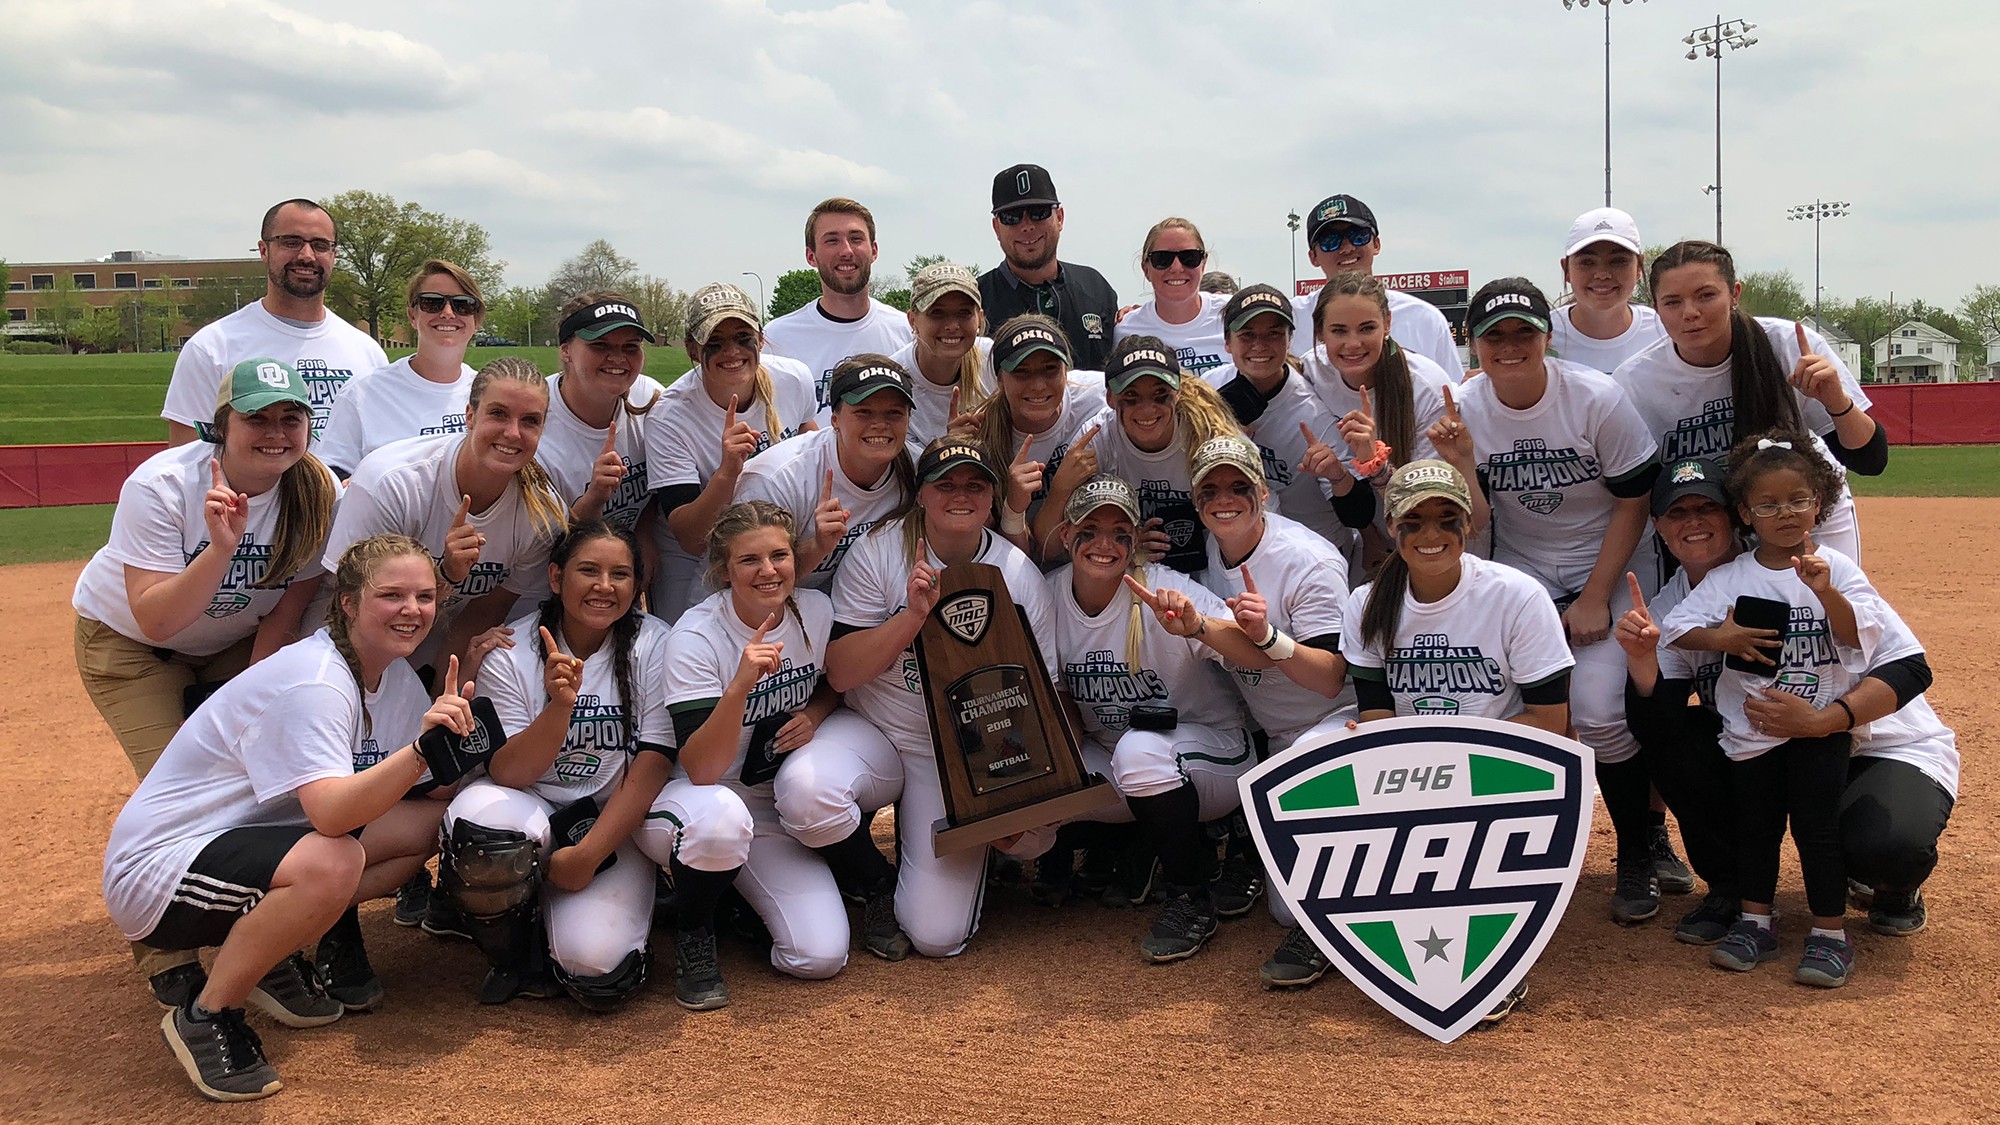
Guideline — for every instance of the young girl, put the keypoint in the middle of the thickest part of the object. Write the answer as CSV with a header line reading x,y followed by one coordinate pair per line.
x,y
1045,418
1185,319
256,831
419,394
594,444
696,446
1782,489
949,361
1162,416
1601,327
578,689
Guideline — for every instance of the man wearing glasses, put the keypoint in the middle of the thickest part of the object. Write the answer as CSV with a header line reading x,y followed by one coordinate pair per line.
x,y
289,324
1028,220
1341,235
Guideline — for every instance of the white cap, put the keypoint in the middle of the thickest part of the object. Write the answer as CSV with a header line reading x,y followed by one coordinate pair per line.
x,y
1604,224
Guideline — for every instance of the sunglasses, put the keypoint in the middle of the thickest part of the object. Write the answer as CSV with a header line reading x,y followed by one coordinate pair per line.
x,y
1161,259
1038,213
1797,507
464,304
1356,236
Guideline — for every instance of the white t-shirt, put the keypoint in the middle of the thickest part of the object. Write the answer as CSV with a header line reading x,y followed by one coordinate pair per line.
x,y
1082,407
326,355
869,590
1172,671
1605,355
1427,383
1469,652
1197,345
1299,495
1304,583
932,412
708,645
292,718
570,447
1414,323
1702,669
1812,665
595,752
390,404
820,342
158,526
1547,469
793,474
1163,484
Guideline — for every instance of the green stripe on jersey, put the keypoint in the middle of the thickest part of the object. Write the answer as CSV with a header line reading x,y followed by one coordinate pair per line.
x,y
1493,776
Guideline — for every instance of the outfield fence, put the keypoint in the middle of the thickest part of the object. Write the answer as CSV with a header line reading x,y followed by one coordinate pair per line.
x,y
48,476
1937,413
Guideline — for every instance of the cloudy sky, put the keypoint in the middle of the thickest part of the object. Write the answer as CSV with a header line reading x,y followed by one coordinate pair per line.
x,y
696,135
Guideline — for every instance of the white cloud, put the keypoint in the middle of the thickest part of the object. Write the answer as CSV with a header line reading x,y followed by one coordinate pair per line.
x,y
482,170
727,152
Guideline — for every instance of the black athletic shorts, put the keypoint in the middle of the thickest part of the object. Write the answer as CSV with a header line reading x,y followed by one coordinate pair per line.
x,y
225,881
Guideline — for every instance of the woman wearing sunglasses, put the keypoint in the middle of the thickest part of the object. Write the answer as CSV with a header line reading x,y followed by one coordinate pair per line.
x,y
1182,316
419,394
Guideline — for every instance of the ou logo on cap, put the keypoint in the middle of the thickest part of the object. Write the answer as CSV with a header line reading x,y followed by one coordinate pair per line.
x,y
272,375
1021,182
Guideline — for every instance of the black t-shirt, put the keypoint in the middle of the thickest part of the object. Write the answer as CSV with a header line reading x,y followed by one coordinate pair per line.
x,y
1079,299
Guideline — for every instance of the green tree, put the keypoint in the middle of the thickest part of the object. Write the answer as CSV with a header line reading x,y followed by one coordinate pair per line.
x,y
382,242
517,313
795,290
1980,308
663,308
1774,293
98,330
61,311
895,298
213,298
597,266
916,264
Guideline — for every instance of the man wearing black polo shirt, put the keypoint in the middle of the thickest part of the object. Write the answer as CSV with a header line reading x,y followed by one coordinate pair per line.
x,y
1028,220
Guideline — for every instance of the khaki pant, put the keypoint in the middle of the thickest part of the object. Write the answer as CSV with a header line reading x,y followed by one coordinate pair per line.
x,y
138,689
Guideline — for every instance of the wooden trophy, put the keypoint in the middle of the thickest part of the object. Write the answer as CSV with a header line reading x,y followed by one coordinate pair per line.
x,y
1007,756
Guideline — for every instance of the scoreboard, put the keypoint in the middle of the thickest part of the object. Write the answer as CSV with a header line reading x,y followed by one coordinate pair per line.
x,y
1448,290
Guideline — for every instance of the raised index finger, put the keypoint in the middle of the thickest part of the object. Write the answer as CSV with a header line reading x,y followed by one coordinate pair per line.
x,y
1249,583
549,641
827,492
451,673
729,419
1638,598
1089,436
1139,591
611,432
1450,404
464,508
1021,458
769,624
1365,408
1805,349
1306,432
217,466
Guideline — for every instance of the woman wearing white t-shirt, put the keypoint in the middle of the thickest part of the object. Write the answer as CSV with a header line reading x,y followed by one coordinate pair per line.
x,y
1721,373
578,687
1044,415
257,832
1601,328
594,445
1162,416
949,361
422,393
1180,315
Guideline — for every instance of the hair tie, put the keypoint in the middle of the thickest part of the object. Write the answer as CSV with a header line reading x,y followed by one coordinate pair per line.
x,y
1764,443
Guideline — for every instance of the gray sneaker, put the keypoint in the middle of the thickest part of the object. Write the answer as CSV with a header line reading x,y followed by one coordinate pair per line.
x,y
1635,897
880,932
1673,874
293,994
222,1056
1898,913
1297,963
698,983
1746,946
1237,886
1185,924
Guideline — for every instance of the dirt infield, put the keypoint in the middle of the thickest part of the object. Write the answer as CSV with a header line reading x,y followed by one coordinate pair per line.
x,y
1050,1015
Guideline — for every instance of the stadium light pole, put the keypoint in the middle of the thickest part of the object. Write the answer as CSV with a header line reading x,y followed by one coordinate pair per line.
x,y
1292,221
1817,211
1735,35
760,291
1584,6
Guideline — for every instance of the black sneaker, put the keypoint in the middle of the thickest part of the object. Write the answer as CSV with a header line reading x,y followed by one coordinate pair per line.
x,y
1237,886
1055,875
442,917
1897,913
1636,896
413,899
698,983
1707,923
1674,876
881,934
1185,924
293,994
222,1056
1136,874
343,964
1297,963
175,987
1095,871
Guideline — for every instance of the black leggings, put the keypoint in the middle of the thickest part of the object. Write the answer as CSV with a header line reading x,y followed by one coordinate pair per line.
x,y
1890,820
1686,764
1800,780
1625,789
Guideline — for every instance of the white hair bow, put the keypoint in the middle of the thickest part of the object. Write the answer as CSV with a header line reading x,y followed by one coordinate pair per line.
x,y
1767,443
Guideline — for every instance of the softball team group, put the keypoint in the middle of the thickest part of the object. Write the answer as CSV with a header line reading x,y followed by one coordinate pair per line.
x,y
605,647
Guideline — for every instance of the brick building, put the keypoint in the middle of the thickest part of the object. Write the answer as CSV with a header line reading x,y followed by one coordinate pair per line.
x,y
155,294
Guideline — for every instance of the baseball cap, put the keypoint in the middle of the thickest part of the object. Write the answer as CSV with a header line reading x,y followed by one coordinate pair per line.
x,y
1225,450
1140,355
714,303
1023,336
257,383
593,321
1023,185
1253,301
859,376
1497,300
1096,491
946,454
1694,476
1215,281
939,278
1418,481
1339,209
1604,224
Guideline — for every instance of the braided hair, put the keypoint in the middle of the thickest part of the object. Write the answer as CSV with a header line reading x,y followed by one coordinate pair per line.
x,y
624,631
357,568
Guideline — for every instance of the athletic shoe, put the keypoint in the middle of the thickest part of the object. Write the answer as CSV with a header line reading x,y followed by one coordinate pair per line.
x,y
1826,962
1746,946
666,900
526,982
1506,1006
174,987
1055,875
1636,896
293,994
1898,914
698,983
1707,923
1297,963
1095,872
880,932
1674,876
413,899
222,1056
1137,872
1237,885
1860,894
1185,924
443,919
342,962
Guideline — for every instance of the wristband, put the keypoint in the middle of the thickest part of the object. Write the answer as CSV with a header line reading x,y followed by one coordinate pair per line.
x,y
1846,412
1842,704
1012,522
1270,637
1281,647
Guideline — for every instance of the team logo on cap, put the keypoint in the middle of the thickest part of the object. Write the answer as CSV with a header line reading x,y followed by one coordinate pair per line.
x,y
1687,472
1604,224
967,614
1499,300
1139,356
712,299
273,375
1430,474
1038,335
602,311
1430,858
1021,182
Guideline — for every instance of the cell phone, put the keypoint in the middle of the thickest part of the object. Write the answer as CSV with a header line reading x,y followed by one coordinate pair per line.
x,y
760,759
1759,613
571,823
1152,716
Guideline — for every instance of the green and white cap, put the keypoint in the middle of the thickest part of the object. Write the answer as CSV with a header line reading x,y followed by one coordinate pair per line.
x,y
257,383
1418,481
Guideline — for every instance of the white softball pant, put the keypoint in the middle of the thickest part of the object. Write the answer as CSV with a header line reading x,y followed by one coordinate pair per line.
x,y
1147,763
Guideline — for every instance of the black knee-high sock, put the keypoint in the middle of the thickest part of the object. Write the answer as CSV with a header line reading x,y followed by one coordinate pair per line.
x,y
857,864
696,893
348,928
1626,797
1172,820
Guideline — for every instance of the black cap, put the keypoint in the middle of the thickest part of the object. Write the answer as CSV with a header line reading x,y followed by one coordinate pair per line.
x,y
1253,301
1693,476
1023,185
859,376
1023,336
1339,209
593,321
1140,355
946,454
1508,297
